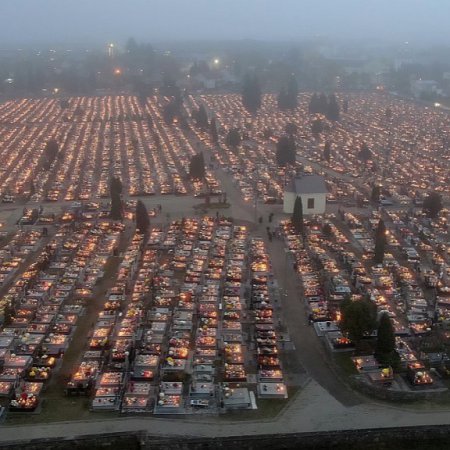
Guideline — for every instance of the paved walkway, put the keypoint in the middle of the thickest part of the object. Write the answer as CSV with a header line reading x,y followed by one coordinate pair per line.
x,y
313,410
309,349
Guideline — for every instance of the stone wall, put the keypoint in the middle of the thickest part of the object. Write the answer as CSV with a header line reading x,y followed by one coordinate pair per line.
x,y
393,438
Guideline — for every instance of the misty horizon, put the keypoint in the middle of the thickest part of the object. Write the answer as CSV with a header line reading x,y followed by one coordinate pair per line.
x,y
39,22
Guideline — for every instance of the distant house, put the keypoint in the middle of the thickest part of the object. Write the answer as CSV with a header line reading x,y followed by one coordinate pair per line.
x,y
312,190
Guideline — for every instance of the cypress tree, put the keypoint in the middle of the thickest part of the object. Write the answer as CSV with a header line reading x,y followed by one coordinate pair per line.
x,y
291,128
332,108
323,104
380,243
385,347
283,99
292,92
317,127
358,318
345,106
251,93
365,153
197,167
233,138
386,337
313,107
115,191
202,118
50,153
327,151
432,205
376,192
286,150
297,216
142,219
213,131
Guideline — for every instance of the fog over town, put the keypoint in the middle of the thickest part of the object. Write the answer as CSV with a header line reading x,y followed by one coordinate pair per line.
x,y
224,224
418,21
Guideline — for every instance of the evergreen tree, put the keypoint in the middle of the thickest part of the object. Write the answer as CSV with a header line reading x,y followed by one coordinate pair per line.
x,y
432,205
251,93
288,96
380,242
385,351
197,167
323,104
292,92
345,106
51,151
233,138
358,318
376,192
365,153
213,131
283,100
317,127
142,219
286,150
116,185
201,117
386,336
314,107
131,46
267,133
291,128
327,151
115,191
170,111
297,216
32,188
8,313
332,108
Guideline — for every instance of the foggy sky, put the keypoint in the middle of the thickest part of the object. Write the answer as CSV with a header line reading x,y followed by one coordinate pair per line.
x,y
97,21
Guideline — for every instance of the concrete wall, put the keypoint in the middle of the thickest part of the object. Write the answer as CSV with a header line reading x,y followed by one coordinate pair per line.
x,y
320,201
406,438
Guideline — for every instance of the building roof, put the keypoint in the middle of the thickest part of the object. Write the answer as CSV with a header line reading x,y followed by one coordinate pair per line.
x,y
308,184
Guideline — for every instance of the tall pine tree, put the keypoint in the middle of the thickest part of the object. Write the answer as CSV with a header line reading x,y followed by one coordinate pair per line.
x,y
333,109
385,347
292,92
251,93
197,167
115,191
297,216
233,138
286,150
314,107
142,219
380,243
201,117
327,151
213,131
